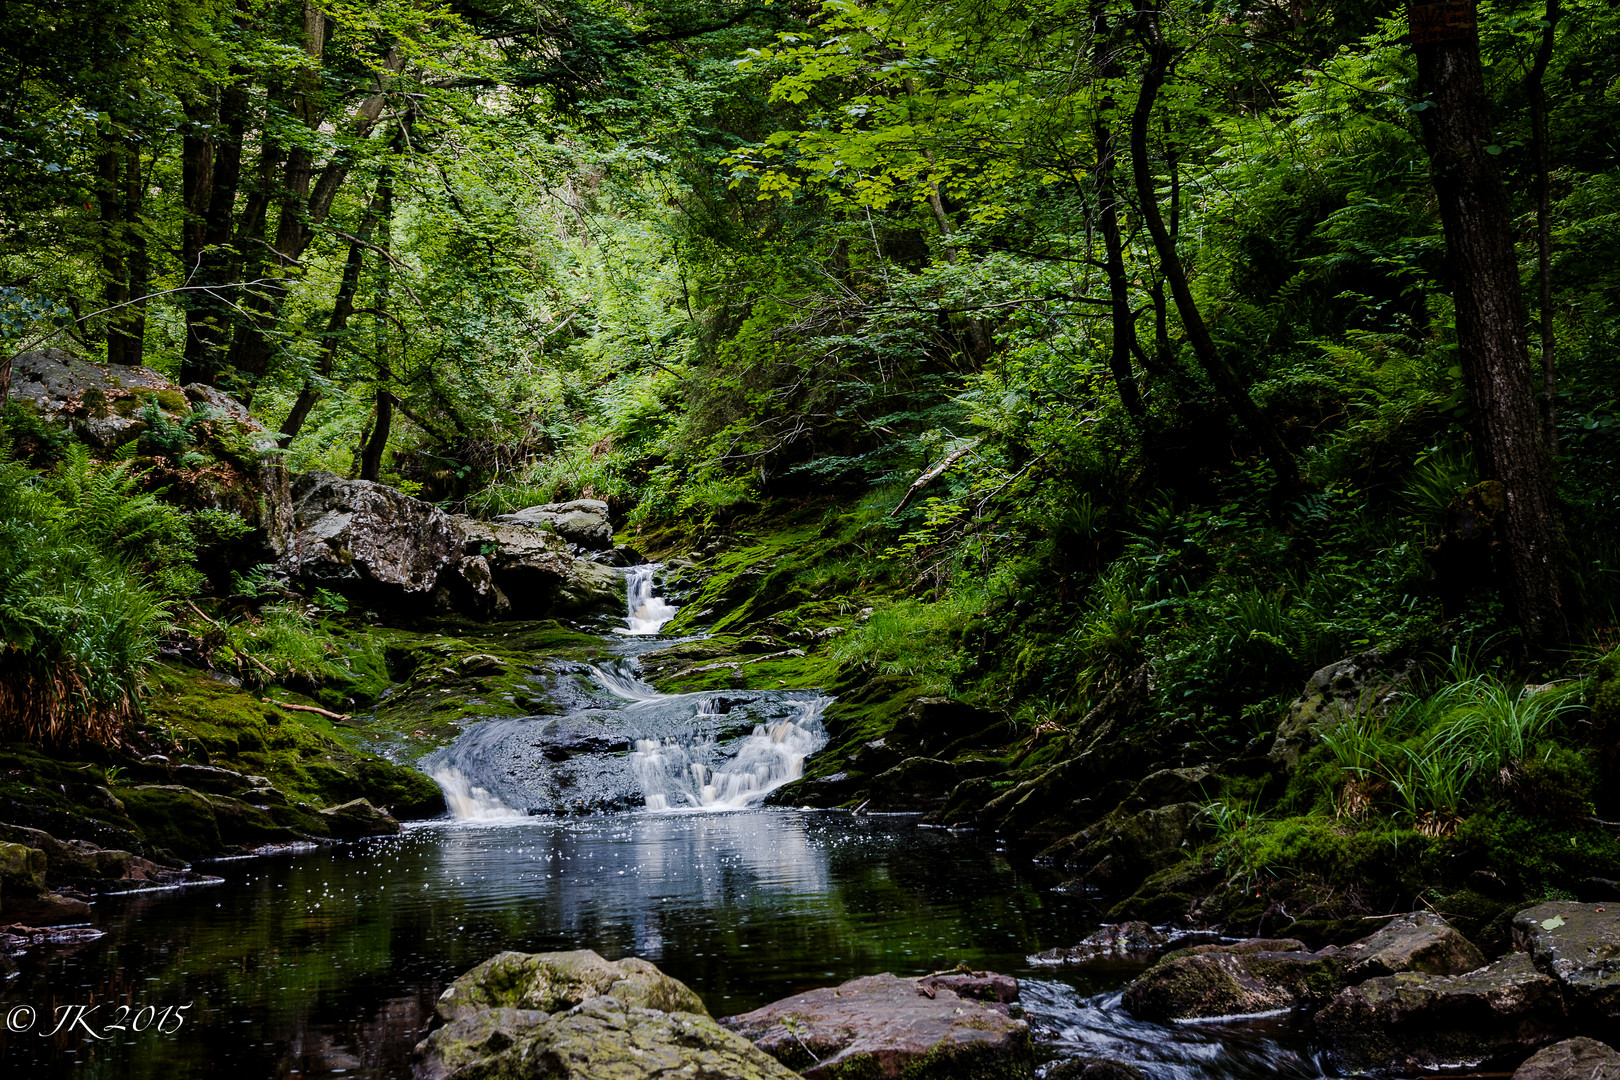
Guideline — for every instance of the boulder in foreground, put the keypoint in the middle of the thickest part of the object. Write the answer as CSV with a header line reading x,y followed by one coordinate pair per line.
x,y
576,1016
885,1026
1579,945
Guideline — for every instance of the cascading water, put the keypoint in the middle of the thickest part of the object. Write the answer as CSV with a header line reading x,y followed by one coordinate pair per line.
x,y
469,802
699,750
647,612
692,774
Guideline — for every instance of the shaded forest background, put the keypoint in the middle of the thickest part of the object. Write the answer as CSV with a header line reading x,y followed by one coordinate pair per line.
x,y
1159,302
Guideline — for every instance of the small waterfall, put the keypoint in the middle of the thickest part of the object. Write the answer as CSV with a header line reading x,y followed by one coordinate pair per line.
x,y
468,802
647,613
683,775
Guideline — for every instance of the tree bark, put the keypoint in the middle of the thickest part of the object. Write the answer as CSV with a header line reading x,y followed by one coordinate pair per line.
x,y
1225,380
1535,85
1491,343
210,207
336,325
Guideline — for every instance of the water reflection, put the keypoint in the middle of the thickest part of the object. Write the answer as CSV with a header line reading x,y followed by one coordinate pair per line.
x,y
330,960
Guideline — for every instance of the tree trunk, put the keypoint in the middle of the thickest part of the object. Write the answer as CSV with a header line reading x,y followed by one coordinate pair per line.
x,y
114,266
1537,90
336,325
1124,342
1220,373
219,175
1491,342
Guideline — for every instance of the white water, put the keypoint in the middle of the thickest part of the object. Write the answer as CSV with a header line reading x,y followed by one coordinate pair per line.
x,y
623,682
469,802
647,613
678,775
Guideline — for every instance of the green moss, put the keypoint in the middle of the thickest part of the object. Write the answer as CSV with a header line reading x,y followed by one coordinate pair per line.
x,y
173,400
175,819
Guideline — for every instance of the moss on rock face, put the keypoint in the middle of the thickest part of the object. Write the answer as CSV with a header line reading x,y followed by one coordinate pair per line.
x,y
175,818
555,982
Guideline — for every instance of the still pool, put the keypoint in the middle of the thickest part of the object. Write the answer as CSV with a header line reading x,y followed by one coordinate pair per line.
x,y
327,963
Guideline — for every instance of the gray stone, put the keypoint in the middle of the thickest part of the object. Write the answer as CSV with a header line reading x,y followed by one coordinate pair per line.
x,y
47,909
1259,976
583,522
882,1025
1420,941
1579,945
357,818
1573,1059
1412,1021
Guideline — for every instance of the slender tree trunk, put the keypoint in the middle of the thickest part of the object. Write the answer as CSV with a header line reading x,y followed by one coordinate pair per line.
x,y
1220,373
1124,342
114,251
336,325
1491,341
371,459
1535,85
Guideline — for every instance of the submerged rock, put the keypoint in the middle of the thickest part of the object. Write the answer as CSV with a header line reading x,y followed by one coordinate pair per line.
x,y
1127,942
576,1016
1413,1021
1095,1068
1572,1059
1579,945
885,1026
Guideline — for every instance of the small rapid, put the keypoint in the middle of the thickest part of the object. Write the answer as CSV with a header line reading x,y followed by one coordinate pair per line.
x,y
677,774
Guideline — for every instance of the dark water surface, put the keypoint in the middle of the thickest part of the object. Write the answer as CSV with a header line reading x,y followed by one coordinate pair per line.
x,y
327,963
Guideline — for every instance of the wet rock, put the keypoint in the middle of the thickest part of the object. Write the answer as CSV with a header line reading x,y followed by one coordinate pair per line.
x,y
556,982
914,784
1421,941
22,871
881,1026
367,540
1579,945
175,818
47,909
975,985
931,725
1368,682
1258,976
583,522
1126,942
209,778
600,1039
1125,847
358,818
1413,1021
1573,1059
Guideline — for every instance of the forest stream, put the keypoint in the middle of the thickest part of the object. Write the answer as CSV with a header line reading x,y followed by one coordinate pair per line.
x,y
327,962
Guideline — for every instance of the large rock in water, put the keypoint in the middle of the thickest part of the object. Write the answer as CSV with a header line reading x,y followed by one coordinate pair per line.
x,y
576,1016
884,1026
583,522
1572,1059
1420,941
1579,945
1413,1021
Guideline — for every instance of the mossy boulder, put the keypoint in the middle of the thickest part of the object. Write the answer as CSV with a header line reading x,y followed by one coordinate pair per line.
x,y
358,818
556,982
598,1039
1261,976
407,794
22,870
1367,683
1420,941
174,818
